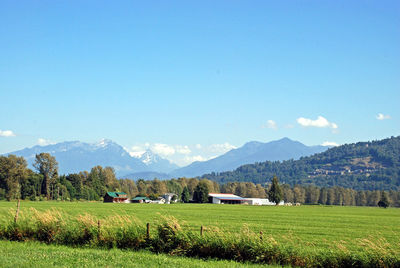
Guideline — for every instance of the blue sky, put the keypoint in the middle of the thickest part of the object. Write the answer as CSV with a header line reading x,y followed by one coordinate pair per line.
x,y
168,75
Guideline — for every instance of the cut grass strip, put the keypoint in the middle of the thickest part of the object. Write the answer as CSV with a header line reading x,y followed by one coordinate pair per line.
x,y
34,254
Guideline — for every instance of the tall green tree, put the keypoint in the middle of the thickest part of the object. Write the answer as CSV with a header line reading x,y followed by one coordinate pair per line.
x,y
109,178
275,192
13,173
47,165
31,187
141,186
185,195
77,183
97,182
384,202
200,194
173,186
128,186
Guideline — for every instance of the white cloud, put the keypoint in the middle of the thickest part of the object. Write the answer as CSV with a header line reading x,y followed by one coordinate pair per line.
x,y
183,149
6,133
163,149
330,143
137,148
220,148
137,154
44,142
159,148
191,159
271,124
382,116
321,122
182,154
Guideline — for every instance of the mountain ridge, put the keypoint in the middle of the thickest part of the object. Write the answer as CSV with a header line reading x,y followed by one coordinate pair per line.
x,y
76,156
250,152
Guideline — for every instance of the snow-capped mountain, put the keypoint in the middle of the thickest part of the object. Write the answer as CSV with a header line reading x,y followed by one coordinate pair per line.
x,y
76,156
155,162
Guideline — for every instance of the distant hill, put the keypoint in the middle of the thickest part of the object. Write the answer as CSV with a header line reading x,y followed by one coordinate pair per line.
x,y
76,156
363,166
250,153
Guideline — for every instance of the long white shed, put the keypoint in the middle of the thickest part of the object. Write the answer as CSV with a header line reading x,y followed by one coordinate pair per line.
x,y
262,202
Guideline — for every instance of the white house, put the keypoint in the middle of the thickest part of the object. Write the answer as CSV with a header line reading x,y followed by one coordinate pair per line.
x,y
168,197
159,200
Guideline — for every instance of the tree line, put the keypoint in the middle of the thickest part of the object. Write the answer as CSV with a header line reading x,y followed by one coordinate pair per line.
x,y
17,181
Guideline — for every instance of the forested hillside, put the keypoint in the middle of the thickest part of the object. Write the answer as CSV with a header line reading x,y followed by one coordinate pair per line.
x,y
362,166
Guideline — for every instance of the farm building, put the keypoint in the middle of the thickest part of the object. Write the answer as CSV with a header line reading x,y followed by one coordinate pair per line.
x,y
261,202
116,197
140,199
159,200
218,198
168,197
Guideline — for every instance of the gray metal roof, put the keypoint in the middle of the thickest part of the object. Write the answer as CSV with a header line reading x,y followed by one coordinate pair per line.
x,y
141,198
230,198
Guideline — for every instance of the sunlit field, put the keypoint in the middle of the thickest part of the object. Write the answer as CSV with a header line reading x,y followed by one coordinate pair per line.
x,y
321,226
310,230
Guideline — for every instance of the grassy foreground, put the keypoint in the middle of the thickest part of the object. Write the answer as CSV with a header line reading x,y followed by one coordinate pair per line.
x,y
33,254
314,226
313,236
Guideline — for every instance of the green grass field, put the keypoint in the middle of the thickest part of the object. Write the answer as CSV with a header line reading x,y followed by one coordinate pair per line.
x,y
320,226
313,230
33,254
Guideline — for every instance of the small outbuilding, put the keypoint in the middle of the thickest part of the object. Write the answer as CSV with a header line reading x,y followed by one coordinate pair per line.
x,y
140,199
115,197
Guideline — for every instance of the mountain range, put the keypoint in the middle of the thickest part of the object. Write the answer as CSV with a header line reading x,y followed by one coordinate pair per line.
x,y
76,156
373,165
251,152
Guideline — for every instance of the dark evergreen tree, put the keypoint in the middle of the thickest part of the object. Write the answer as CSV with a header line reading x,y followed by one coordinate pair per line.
x,y
275,192
185,195
384,202
200,194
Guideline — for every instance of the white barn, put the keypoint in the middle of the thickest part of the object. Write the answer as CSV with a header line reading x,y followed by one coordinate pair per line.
x,y
218,198
262,202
